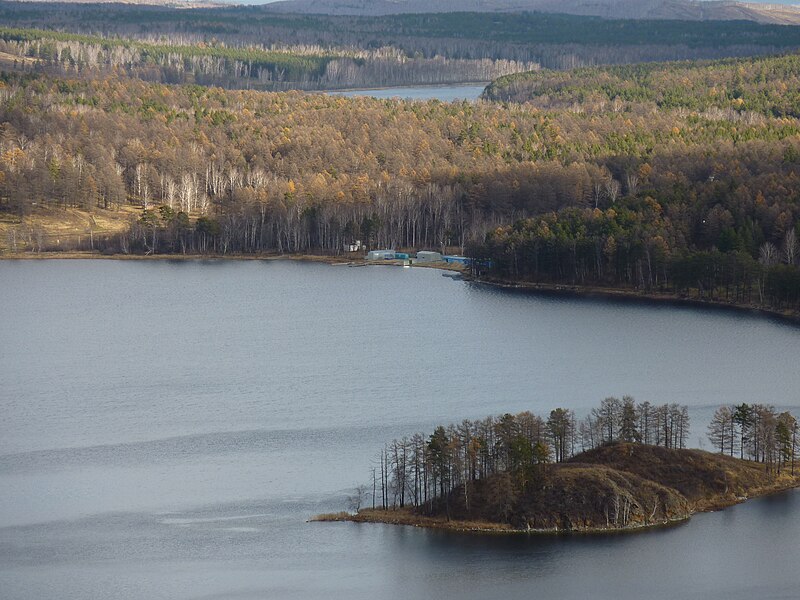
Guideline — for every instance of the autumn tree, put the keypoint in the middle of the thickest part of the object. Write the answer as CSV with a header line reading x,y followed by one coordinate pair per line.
x,y
721,430
561,429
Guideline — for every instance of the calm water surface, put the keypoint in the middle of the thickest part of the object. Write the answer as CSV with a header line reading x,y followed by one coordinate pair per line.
x,y
166,428
445,93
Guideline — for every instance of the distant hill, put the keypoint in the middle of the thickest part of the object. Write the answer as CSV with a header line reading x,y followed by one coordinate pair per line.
x,y
750,84
681,10
164,3
686,10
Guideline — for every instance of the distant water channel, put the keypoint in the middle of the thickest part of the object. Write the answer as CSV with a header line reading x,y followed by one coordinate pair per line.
x,y
445,93
167,427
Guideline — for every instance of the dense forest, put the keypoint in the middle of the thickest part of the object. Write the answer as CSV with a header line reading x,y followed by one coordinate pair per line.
x,y
685,10
259,24
514,451
767,86
678,177
656,228
250,67
466,39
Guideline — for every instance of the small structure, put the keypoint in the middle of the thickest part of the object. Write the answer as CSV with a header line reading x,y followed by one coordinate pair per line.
x,y
458,260
401,256
428,256
354,247
380,255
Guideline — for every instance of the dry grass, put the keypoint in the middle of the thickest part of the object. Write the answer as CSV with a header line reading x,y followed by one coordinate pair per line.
x,y
405,516
61,229
331,517
662,486
7,60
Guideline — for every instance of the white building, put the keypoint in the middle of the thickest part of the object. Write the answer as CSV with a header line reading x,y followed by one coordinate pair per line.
x,y
428,256
380,255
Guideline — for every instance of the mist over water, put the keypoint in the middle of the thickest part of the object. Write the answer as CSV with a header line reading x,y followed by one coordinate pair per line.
x,y
167,427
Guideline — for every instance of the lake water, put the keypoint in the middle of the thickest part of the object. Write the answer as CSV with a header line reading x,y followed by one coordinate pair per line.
x,y
167,427
445,93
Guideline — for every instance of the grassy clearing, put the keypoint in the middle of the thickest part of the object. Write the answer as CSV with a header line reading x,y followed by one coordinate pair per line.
x,y
11,60
60,230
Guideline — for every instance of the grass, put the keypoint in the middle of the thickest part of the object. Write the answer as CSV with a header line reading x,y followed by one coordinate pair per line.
x,y
406,516
61,229
658,486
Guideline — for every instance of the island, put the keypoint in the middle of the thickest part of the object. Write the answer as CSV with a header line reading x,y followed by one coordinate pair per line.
x,y
525,479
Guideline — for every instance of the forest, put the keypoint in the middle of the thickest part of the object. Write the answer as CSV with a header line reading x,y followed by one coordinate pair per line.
x,y
415,471
511,454
643,231
251,24
373,51
767,86
673,177
237,67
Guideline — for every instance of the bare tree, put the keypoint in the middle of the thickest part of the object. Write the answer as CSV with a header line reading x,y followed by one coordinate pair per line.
x,y
768,254
632,182
720,430
613,189
790,247
598,193
354,500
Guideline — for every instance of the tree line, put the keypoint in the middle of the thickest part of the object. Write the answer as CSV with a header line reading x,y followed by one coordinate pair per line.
x,y
420,469
173,60
551,40
767,86
648,228
634,194
629,247
424,469
756,432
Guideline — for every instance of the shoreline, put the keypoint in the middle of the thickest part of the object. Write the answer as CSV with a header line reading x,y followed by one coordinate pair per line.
x,y
353,261
88,255
405,517
634,296
546,289
341,91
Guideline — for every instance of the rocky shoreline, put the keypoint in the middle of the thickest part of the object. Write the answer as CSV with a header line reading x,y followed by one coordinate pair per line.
x,y
660,487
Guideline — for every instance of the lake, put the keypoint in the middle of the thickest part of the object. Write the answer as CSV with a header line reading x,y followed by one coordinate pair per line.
x,y
445,93
167,428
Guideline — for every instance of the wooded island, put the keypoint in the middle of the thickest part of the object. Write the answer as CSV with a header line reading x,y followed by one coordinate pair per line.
x,y
625,466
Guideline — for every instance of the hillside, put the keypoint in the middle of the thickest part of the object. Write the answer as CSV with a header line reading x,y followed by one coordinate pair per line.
x,y
614,487
638,178
610,9
63,228
764,85
164,3
246,46
681,10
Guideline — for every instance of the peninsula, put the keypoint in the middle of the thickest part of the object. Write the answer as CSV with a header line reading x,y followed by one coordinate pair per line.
x,y
618,487
523,478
